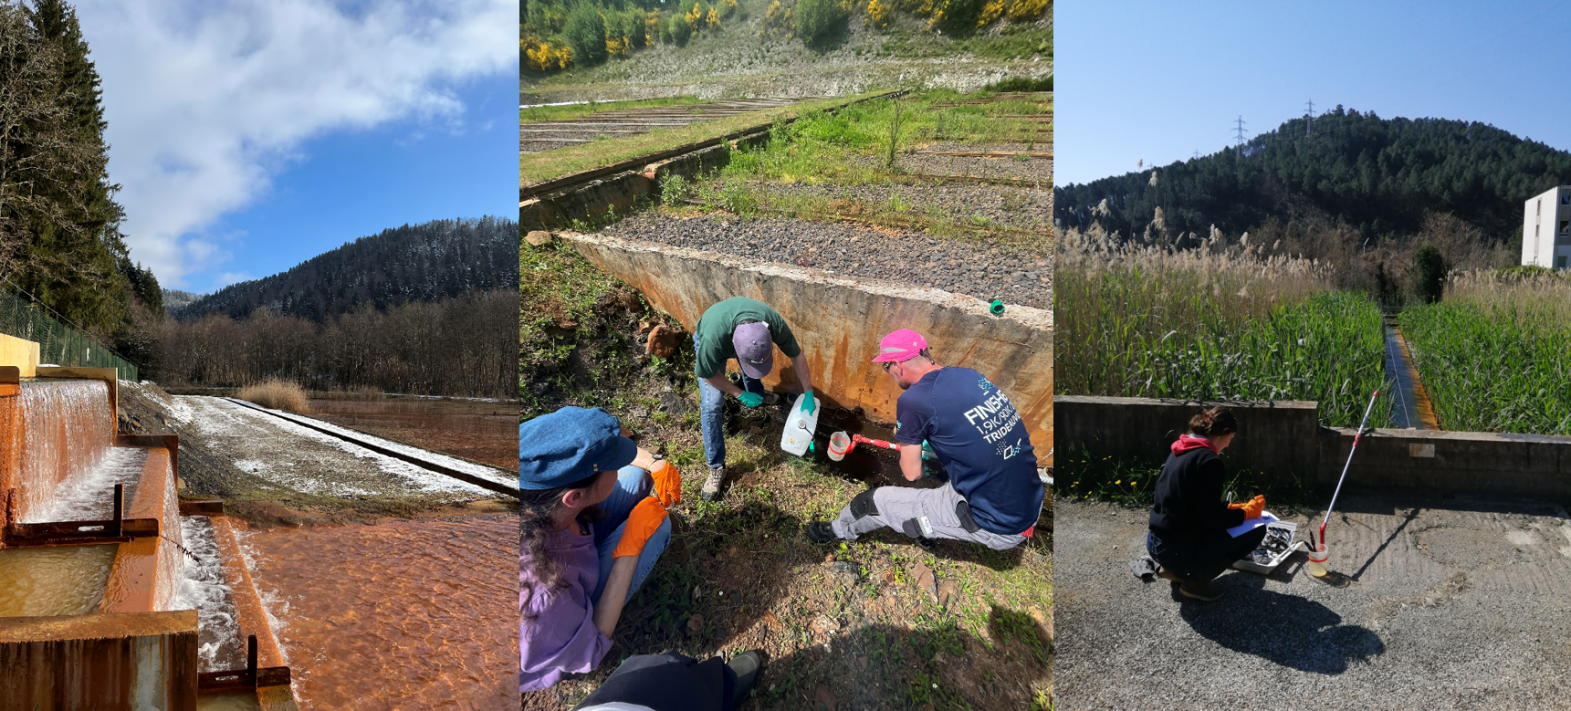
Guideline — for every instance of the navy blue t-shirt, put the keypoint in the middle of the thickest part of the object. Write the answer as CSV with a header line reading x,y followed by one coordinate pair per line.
x,y
978,436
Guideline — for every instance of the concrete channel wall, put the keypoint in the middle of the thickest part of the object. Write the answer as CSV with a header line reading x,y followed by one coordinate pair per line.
x,y
128,661
1282,441
838,322
622,191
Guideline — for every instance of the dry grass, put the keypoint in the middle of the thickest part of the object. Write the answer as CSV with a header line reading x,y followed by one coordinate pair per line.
x,y
276,394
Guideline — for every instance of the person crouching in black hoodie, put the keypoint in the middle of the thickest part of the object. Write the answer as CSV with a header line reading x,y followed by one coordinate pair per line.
x,y
1189,520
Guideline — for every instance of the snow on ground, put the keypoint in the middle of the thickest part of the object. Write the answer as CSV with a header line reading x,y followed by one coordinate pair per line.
x,y
463,465
308,461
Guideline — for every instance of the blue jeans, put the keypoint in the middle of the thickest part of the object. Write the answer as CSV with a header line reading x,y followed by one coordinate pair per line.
x,y
711,407
632,485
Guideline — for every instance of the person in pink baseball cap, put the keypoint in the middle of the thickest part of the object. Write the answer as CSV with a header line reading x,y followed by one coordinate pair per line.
x,y
994,494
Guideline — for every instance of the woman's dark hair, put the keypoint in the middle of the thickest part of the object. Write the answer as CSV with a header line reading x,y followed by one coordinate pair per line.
x,y
534,530
1214,422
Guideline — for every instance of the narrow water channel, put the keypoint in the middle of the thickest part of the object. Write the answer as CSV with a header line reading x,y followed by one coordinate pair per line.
x,y
1410,408
406,614
203,588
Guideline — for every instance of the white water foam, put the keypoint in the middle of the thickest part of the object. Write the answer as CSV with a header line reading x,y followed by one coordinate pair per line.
x,y
89,495
204,589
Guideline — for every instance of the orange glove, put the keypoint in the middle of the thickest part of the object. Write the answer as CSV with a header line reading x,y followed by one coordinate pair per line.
x,y
1251,508
668,483
641,524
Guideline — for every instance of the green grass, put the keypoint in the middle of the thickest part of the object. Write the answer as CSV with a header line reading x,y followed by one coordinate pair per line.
x,y
1494,367
1157,324
539,167
563,113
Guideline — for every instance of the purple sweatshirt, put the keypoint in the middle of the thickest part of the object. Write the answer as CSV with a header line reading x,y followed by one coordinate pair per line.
x,y
562,637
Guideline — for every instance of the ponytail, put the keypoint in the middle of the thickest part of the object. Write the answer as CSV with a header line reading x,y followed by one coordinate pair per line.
x,y
1214,422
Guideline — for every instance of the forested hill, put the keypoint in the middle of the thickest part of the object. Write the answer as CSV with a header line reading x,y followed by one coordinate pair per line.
x,y
425,262
1377,175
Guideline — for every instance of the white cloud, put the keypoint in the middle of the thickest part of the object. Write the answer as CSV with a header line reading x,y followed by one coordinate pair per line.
x,y
227,278
207,101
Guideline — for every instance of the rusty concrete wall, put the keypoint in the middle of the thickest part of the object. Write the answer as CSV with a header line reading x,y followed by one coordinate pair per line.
x,y
147,570
838,322
10,444
113,662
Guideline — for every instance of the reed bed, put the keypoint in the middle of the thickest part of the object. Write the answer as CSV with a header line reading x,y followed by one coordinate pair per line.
x,y
1217,321
276,394
1495,354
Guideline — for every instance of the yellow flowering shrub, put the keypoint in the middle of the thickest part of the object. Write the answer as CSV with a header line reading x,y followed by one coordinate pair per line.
x,y
877,14
712,21
992,10
727,8
1027,10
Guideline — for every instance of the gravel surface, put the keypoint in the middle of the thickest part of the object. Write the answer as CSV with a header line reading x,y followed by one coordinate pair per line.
x,y
1448,604
960,267
1032,169
1005,206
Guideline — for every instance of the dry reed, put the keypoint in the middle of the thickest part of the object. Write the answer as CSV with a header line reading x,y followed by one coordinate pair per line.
x,y
276,394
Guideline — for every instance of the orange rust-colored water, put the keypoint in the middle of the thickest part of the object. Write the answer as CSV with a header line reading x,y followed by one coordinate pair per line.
x,y
66,428
485,432
406,614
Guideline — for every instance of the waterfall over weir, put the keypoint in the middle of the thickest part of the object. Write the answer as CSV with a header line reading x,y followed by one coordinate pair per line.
x,y
67,428
110,603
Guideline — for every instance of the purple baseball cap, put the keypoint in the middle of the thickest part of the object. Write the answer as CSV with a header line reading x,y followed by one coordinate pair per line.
x,y
755,350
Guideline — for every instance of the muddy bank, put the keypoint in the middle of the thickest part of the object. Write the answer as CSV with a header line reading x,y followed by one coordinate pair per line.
x,y
959,267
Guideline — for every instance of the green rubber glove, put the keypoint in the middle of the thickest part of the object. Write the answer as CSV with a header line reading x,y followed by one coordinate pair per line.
x,y
750,399
807,402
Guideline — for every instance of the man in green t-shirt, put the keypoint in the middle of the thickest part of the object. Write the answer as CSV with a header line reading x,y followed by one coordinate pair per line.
x,y
748,331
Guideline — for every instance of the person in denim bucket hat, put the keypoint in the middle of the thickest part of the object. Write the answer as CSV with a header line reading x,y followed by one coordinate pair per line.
x,y
747,330
593,525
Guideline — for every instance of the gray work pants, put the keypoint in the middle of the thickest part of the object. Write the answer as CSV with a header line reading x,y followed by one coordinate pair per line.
x,y
907,510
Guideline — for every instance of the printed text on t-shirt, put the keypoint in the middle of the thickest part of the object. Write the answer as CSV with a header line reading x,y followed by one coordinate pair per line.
x,y
993,418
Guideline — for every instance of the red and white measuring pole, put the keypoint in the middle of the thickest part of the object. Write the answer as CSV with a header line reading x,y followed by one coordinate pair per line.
x,y
1357,436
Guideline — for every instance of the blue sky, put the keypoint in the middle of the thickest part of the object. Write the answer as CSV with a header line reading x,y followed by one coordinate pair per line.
x,y
250,135
1158,80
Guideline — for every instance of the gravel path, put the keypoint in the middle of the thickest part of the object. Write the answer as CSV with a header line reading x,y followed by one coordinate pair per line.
x,y
960,267
1449,604
1004,206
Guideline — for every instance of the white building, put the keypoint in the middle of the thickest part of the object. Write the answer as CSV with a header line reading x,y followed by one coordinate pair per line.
x,y
1546,229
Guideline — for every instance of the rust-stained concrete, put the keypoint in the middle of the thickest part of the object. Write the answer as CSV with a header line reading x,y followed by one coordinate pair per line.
x,y
838,322
146,570
128,661
252,617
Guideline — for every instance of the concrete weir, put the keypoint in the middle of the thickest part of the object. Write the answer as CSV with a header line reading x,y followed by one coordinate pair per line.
x,y
78,497
838,322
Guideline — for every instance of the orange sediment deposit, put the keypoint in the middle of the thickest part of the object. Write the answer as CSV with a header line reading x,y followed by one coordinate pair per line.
x,y
405,614
1426,409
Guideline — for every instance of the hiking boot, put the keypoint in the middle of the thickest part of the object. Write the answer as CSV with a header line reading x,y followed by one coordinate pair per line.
x,y
711,490
1202,590
820,532
1166,574
926,543
746,666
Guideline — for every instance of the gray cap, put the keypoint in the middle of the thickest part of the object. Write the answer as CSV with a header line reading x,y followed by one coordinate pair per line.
x,y
755,350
